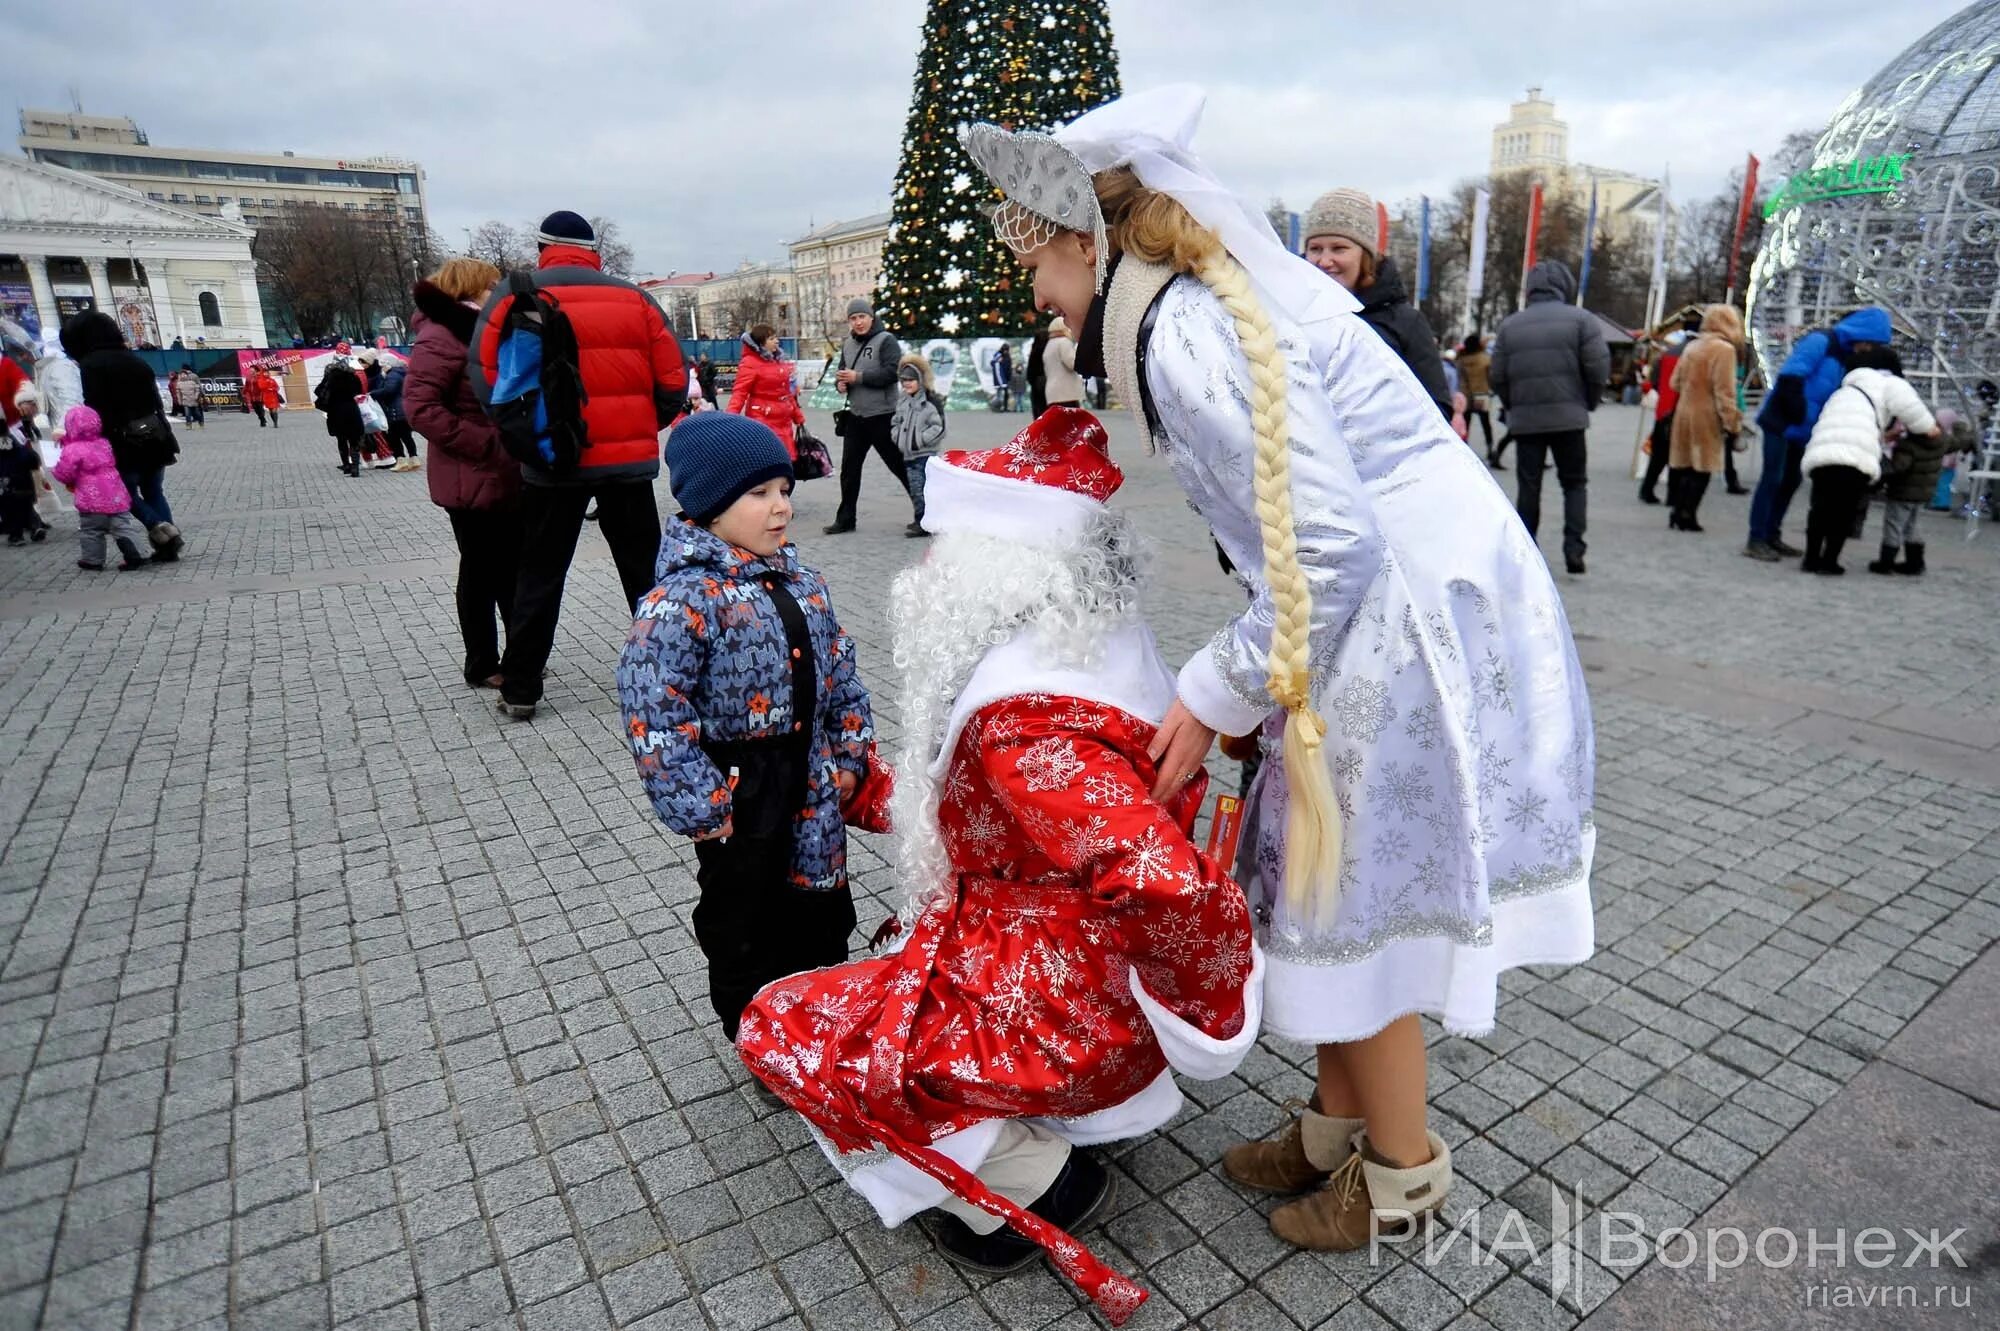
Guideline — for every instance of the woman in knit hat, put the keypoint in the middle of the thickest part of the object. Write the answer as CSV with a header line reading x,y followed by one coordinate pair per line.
x,y
1343,240
1425,807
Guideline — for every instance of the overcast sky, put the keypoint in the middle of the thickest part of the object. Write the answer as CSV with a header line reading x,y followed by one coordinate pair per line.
x,y
716,133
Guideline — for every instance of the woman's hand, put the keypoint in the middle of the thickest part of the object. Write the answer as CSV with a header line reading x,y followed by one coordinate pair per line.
x,y
847,781
722,833
1178,750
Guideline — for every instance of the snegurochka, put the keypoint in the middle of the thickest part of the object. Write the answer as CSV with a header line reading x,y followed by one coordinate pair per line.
x,y
1863,175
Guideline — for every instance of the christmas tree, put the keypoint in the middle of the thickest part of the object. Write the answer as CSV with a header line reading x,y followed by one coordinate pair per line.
x,y
1022,64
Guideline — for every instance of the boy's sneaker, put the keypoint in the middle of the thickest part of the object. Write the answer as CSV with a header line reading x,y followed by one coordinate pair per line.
x,y
1763,552
915,531
38,535
520,711
89,567
17,539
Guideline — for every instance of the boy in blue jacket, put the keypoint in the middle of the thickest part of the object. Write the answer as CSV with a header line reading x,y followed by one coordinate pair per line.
x,y
745,713
1791,408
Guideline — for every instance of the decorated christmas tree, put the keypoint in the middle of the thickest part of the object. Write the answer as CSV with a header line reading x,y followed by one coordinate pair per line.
x,y
1024,64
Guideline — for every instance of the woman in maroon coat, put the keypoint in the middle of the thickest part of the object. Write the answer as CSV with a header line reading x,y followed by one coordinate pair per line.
x,y
472,478
763,389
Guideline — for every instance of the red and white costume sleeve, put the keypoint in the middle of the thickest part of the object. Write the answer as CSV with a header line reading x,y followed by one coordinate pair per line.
x,y
1085,947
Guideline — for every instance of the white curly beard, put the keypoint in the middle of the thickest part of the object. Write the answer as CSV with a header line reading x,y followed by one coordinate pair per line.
x,y
971,595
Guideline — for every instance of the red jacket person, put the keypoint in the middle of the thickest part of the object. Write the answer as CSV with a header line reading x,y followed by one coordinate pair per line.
x,y
634,385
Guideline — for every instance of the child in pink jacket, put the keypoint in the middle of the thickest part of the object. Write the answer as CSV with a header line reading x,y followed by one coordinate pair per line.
x,y
103,505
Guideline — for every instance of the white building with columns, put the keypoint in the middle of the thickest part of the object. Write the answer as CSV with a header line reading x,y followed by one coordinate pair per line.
x,y
70,242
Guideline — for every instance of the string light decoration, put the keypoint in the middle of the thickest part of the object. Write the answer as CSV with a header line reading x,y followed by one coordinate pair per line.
x,y
1017,63
1899,206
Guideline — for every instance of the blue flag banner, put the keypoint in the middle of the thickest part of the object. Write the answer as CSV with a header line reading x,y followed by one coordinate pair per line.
x,y
1589,244
1424,249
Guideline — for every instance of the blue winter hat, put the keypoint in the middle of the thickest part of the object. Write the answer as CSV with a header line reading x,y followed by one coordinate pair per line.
x,y
566,228
715,457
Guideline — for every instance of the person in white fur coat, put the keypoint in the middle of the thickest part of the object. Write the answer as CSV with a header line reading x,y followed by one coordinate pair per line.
x,y
1844,456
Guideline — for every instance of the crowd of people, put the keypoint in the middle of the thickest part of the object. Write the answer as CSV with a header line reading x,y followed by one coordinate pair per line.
x,y
1400,671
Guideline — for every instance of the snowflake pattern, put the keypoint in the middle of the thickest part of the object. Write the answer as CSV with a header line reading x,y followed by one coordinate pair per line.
x,y
1562,842
1050,764
1401,790
1150,858
1525,810
1493,766
1175,937
1106,789
1363,709
982,832
1425,727
1390,848
1084,841
1492,684
1575,769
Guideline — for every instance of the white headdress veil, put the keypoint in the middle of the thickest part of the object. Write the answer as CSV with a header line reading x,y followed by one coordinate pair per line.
x,y
1153,132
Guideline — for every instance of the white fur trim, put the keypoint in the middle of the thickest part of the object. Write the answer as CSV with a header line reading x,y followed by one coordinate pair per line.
x,y
1191,1051
959,500
1337,1004
1130,675
1203,692
898,1190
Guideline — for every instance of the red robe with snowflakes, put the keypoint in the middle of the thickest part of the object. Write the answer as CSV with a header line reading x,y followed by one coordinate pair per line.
x,y
1014,998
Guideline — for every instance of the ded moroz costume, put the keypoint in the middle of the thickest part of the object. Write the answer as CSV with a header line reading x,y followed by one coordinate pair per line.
x,y
1067,942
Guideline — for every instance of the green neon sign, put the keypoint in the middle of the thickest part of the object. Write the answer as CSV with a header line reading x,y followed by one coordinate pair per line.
x,y
1864,175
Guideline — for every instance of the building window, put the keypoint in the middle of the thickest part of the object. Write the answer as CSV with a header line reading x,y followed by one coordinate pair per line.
x,y
211,310
155,196
178,198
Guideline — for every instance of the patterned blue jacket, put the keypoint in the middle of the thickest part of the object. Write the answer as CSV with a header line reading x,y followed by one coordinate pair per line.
x,y
707,659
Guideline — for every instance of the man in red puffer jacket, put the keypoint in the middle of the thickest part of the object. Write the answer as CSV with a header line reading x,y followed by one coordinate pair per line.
x,y
634,384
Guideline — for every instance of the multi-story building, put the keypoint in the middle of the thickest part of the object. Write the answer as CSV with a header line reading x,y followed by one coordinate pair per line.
x,y
832,265
71,242
755,293
676,296
224,183
1532,139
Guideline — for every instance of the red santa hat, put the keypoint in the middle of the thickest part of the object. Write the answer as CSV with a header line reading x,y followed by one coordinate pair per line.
x,y
1045,486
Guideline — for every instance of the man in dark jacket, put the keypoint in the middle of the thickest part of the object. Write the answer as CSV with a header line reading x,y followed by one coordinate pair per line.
x,y
1550,362
1385,307
121,389
634,385
867,376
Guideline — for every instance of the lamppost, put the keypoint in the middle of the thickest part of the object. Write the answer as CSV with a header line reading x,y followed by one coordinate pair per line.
x,y
152,297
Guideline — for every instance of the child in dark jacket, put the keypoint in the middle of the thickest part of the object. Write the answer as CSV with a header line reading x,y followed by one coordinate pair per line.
x,y
746,714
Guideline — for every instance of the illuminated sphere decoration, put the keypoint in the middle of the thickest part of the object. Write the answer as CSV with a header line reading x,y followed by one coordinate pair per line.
x,y
1900,207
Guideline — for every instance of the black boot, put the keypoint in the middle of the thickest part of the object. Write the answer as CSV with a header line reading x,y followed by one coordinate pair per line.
x,y
1079,1195
1676,498
1811,562
133,559
1913,560
1692,490
1829,557
1887,563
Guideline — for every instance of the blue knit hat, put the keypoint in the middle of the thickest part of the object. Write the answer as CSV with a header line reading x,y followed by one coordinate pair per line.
x,y
715,457
564,227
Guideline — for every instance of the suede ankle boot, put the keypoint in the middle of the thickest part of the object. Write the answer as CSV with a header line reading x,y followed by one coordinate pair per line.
x,y
1364,1197
1299,1156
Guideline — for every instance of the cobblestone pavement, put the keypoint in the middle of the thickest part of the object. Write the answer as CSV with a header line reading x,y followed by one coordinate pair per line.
x,y
327,998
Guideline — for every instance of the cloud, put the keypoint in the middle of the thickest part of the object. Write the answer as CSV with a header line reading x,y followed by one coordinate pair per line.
x,y
715,136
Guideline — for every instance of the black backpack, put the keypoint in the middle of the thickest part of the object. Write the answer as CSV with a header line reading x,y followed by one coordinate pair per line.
x,y
538,393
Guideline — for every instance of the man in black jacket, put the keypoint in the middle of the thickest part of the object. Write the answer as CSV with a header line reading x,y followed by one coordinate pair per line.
x,y
1550,362
867,379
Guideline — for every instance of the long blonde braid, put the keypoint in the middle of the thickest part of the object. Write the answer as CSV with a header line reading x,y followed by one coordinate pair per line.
x,y
1156,228
1312,831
